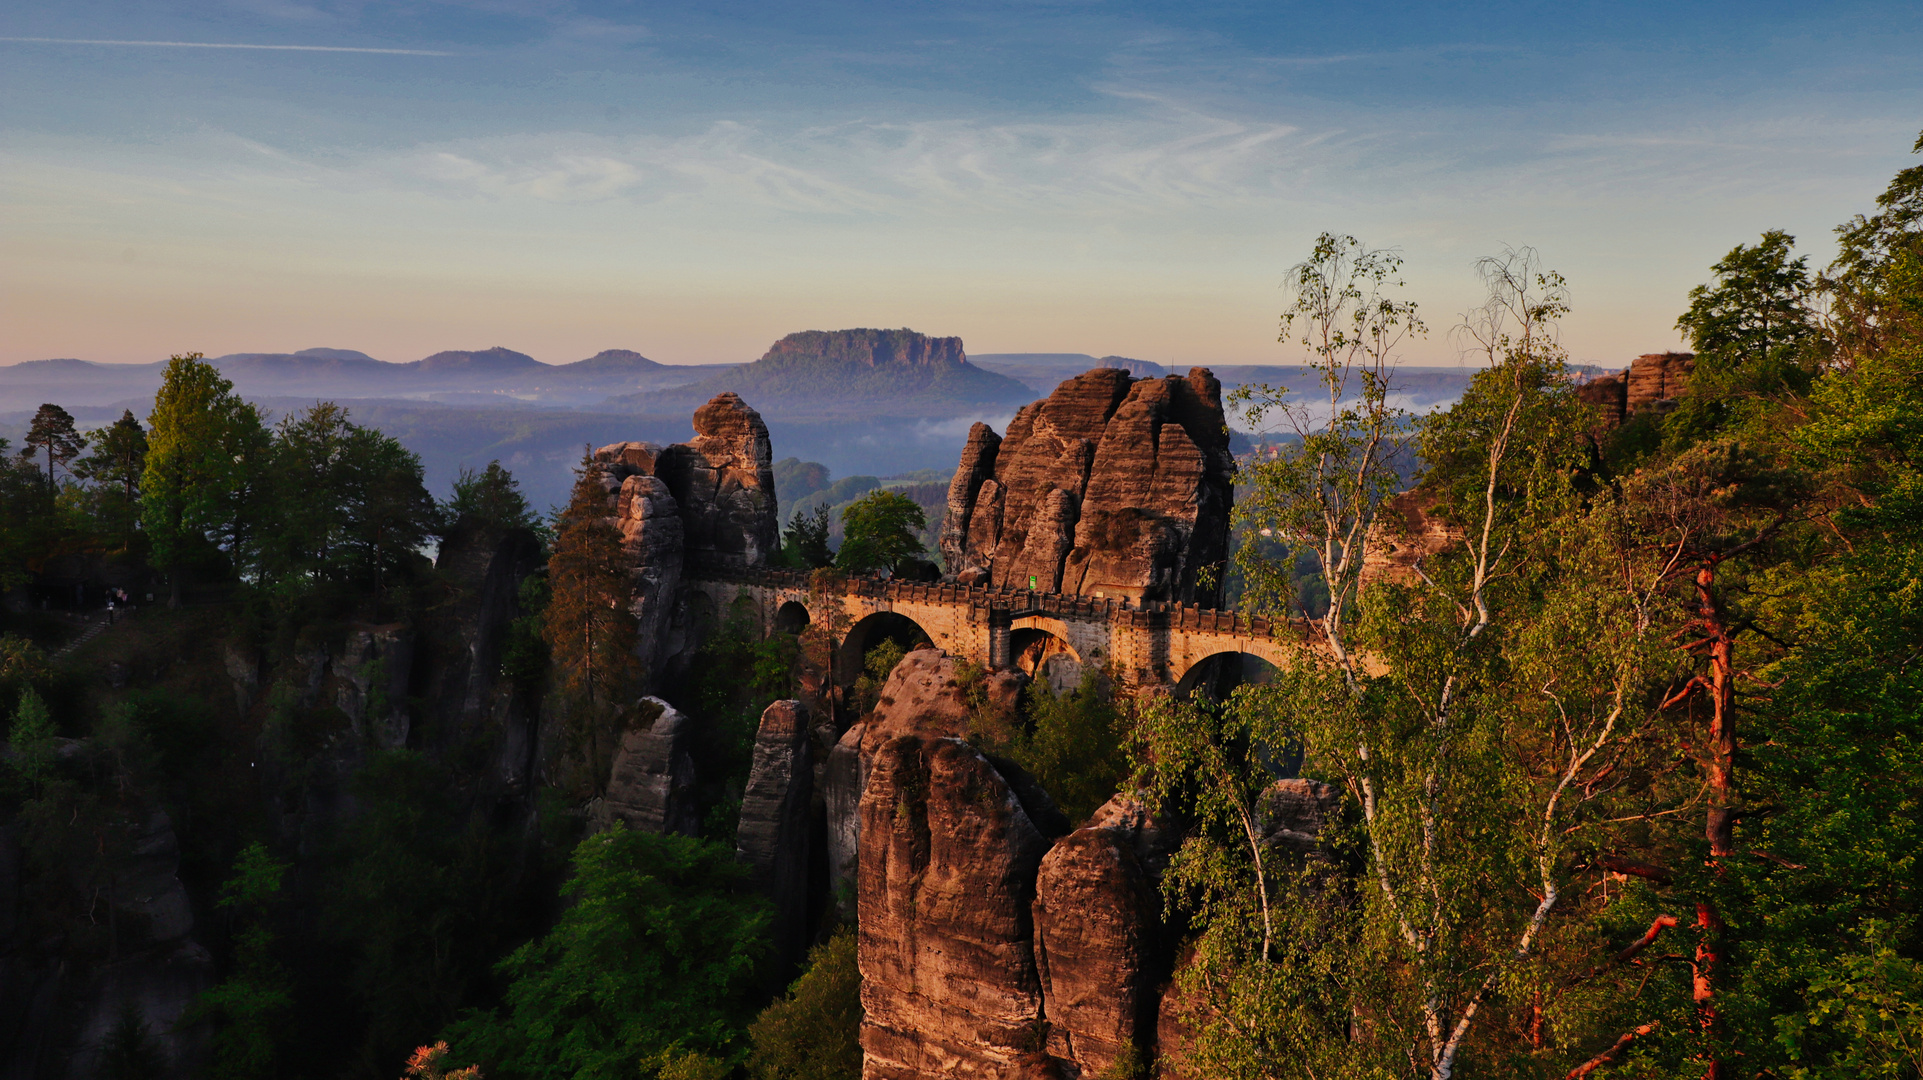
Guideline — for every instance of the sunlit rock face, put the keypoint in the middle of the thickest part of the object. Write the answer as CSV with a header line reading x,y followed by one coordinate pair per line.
x,y
723,480
1110,486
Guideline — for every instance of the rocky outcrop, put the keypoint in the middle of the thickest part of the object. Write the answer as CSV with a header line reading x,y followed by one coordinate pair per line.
x,y
373,671
1094,925
977,467
1111,486
57,1008
651,784
1652,383
1406,531
706,503
948,861
861,373
1291,815
774,833
923,697
653,538
871,348
724,483
1656,380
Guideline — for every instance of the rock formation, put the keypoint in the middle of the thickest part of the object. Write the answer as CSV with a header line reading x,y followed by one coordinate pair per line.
x,y
922,697
774,833
724,483
653,538
1406,531
948,861
651,784
1110,486
1652,383
707,503
1095,946
372,673
861,372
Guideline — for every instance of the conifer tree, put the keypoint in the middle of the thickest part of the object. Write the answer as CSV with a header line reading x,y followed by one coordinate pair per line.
x,y
52,434
590,631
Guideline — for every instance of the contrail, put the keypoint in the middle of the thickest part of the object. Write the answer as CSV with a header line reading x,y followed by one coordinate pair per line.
x,y
224,45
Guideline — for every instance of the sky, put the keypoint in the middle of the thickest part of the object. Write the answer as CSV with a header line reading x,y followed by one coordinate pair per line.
x,y
694,181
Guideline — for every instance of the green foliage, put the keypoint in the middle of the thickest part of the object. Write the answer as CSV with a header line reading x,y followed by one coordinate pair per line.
x,y
26,517
1076,744
524,658
804,544
117,457
655,954
589,629
491,497
813,1031
251,1006
1874,296
205,468
51,433
879,531
31,738
349,506
736,674
129,1050
414,903
1755,335
1319,494
876,666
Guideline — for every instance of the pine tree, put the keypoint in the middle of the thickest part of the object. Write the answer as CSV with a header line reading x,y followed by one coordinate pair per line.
x,y
52,433
590,631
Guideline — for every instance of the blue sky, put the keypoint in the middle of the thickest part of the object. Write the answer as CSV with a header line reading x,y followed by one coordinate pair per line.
x,y
695,181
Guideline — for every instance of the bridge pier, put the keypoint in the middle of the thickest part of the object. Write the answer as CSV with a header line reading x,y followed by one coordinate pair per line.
x,y
1000,634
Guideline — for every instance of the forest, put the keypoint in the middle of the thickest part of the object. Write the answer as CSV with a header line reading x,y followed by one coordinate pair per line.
x,y
1629,768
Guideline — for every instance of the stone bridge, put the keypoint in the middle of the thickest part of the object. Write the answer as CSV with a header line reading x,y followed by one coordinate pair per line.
x,y
1049,635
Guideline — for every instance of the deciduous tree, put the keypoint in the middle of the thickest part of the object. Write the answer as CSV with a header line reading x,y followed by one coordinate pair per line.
x,y
880,531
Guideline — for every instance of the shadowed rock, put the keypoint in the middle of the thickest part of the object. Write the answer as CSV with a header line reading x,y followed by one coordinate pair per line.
x,y
772,838
724,482
651,784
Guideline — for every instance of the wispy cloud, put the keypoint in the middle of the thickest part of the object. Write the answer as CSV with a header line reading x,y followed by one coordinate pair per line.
x,y
223,45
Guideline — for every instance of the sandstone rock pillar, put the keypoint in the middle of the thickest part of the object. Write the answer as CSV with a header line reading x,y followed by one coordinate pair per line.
x,y
773,835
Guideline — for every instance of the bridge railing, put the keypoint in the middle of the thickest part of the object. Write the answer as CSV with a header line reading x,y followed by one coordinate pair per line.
x,y
1146,614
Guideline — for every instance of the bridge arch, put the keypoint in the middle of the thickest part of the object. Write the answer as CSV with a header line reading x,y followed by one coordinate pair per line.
x,y
1043,649
792,617
868,633
1216,675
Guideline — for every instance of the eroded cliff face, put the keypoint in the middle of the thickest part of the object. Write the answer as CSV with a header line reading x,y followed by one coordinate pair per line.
x,y
723,480
995,941
1110,486
708,503
1652,383
775,835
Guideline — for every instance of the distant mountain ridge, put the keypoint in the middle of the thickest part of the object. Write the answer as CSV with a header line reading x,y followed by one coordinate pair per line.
x,y
862,371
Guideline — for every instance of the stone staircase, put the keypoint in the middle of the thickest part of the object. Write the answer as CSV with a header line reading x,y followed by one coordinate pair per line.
x,y
92,631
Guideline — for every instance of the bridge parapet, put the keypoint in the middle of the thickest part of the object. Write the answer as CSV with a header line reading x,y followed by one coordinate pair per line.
x,y
1145,643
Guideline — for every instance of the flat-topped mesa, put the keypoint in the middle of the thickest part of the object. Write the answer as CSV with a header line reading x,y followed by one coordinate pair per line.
x,y
1111,486
875,348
